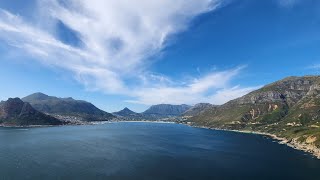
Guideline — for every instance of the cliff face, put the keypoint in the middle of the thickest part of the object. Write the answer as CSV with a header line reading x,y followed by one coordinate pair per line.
x,y
15,112
287,108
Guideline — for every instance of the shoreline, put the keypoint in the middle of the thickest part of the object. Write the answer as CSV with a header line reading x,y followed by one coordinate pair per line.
x,y
85,123
28,126
147,121
307,148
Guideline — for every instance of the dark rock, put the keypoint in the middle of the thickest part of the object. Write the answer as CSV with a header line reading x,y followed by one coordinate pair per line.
x,y
15,112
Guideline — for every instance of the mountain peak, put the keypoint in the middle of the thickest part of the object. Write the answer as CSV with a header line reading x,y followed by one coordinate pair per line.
x,y
12,107
14,100
125,112
16,112
198,108
36,96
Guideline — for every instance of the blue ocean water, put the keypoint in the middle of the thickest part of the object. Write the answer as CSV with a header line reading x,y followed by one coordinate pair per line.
x,y
150,151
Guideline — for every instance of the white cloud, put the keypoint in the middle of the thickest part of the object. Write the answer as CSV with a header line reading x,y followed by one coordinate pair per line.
x,y
314,66
213,88
118,38
288,3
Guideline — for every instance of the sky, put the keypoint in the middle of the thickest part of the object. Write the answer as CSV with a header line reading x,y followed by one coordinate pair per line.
x,y
134,54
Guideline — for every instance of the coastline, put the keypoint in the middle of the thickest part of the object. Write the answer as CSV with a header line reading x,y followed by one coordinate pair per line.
x,y
308,148
146,121
85,123
28,126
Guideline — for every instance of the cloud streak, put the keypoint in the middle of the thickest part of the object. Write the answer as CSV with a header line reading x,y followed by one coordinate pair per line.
x,y
212,88
118,41
288,3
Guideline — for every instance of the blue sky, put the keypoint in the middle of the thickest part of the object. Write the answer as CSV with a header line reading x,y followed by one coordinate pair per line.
x,y
119,54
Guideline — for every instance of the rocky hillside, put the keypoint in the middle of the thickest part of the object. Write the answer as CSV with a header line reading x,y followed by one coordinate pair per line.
x,y
67,108
15,112
166,110
198,108
288,108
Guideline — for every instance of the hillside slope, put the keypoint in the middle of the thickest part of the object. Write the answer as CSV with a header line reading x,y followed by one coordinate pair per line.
x,y
67,108
15,112
198,108
289,108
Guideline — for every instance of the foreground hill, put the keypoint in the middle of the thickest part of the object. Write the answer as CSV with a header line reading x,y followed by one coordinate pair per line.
x,y
289,108
67,108
163,110
15,112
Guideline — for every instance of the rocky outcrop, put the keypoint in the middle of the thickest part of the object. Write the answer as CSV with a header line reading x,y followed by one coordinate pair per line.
x,y
15,112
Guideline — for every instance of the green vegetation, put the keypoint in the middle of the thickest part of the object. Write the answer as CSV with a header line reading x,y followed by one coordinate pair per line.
x,y
274,116
288,108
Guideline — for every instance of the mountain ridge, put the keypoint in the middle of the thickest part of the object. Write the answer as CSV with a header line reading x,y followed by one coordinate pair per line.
x,y
66,108
166,110
288,108
198,108
125,112
15,112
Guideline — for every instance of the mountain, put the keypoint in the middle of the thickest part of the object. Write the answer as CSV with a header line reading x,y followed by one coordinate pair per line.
x,y
289,108
198,108
125,113
15,112
166,110
67,108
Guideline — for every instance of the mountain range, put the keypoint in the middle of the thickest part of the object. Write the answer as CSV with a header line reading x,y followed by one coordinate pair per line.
x,y
198,109
67,108
41,109
289,108
155,112
15,112
165,110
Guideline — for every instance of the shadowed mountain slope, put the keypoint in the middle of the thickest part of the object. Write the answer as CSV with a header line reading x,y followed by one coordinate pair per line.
x,y
67,107
15,112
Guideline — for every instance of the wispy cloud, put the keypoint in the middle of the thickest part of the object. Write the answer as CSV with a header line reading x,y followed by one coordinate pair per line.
x,y
288,3
213,88
314,66
118,40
